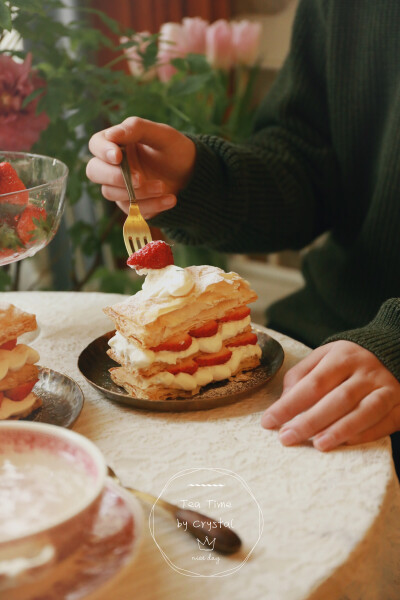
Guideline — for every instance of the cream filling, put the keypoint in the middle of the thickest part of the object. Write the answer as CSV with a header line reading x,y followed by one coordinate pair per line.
x,y
133,355
8,407
203,375
13,360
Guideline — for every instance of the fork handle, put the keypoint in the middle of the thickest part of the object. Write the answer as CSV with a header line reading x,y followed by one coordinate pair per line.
x,y
126,174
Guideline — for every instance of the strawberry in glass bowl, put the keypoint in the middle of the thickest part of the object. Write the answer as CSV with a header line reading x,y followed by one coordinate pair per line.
x,y
32,194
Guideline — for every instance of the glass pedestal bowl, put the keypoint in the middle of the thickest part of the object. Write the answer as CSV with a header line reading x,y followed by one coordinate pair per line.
x,y
30,218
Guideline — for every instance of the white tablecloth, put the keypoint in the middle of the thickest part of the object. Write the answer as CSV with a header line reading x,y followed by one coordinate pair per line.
x,y
331,521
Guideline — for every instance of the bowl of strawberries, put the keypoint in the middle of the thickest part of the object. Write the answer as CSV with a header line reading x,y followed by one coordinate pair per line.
x,y
32,194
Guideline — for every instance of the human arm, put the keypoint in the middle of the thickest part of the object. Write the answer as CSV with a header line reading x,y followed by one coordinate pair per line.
x,y
273,192
347,389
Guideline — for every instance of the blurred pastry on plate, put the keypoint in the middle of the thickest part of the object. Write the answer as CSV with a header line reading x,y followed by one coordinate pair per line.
x,y
18,371
185,329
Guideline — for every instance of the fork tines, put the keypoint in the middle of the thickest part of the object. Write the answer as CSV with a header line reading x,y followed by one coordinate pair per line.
x,y
137,243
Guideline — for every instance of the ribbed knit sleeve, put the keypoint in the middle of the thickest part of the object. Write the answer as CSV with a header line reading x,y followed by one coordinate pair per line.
x,y
276,191
381,336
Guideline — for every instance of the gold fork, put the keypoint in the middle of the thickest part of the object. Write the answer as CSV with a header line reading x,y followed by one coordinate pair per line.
x,y
136,232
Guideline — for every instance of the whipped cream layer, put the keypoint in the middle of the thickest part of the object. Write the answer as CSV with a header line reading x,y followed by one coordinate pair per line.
x,y
203,375
134,355
15,359
173,289
169,281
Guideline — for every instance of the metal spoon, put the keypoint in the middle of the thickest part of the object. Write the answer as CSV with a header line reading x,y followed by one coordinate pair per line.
x,y
226,540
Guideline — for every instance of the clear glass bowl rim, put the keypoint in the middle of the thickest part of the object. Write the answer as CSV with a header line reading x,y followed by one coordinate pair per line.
x,y
4,153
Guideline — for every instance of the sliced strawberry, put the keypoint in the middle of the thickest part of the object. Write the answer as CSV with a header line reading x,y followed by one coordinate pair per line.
x,y
236,314
10,182
243,339
26,225
154,255
10,345
184,366
176,343
216,358
20,392
207,330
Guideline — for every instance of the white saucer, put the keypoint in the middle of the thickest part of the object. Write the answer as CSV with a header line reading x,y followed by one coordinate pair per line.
x,y
109,549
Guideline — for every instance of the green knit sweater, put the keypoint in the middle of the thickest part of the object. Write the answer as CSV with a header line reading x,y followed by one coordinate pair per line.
x,y
324,158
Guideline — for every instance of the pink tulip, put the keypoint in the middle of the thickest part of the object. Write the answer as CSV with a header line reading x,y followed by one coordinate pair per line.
x,y
20,127
195,33
134,59
246,42
219,46
172,44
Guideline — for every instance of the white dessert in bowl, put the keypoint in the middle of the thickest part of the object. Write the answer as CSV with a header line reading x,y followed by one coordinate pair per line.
x,y
51,480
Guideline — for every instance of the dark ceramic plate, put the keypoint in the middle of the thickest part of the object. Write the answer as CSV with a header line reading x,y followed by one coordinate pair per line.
x,y
94,363
62,399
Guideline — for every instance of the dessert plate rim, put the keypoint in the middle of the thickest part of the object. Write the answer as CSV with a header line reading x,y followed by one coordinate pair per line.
x,y
70,395
93,364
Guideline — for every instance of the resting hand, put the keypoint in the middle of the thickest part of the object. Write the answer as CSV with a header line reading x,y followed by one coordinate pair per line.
x,y
161,161
340,393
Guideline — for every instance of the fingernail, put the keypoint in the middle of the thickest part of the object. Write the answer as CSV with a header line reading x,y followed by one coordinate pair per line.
x,y
168,201
288,437
112,155
324,442
268,421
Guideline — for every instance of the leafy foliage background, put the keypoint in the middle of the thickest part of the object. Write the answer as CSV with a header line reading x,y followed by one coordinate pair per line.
x,y
82,97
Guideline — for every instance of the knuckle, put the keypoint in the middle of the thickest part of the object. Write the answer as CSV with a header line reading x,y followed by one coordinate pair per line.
x,y
89,169
381,402
316,384
132,122
91,143
344,397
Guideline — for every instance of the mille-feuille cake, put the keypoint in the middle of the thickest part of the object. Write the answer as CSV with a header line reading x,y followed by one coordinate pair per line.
x,y
185,329
18,371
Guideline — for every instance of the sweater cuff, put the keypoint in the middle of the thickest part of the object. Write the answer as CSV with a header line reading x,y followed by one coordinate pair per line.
x,y
203,201
381,336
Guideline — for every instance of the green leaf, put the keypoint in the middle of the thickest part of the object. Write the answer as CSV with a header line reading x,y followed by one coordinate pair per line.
x,y
189,85
179,63
198,63
5,16
149,56
31,97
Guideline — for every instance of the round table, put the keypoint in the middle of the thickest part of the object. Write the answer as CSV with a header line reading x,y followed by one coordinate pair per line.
x,y
329,522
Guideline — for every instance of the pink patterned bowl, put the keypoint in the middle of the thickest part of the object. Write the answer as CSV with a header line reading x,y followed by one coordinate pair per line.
x,y
51,481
